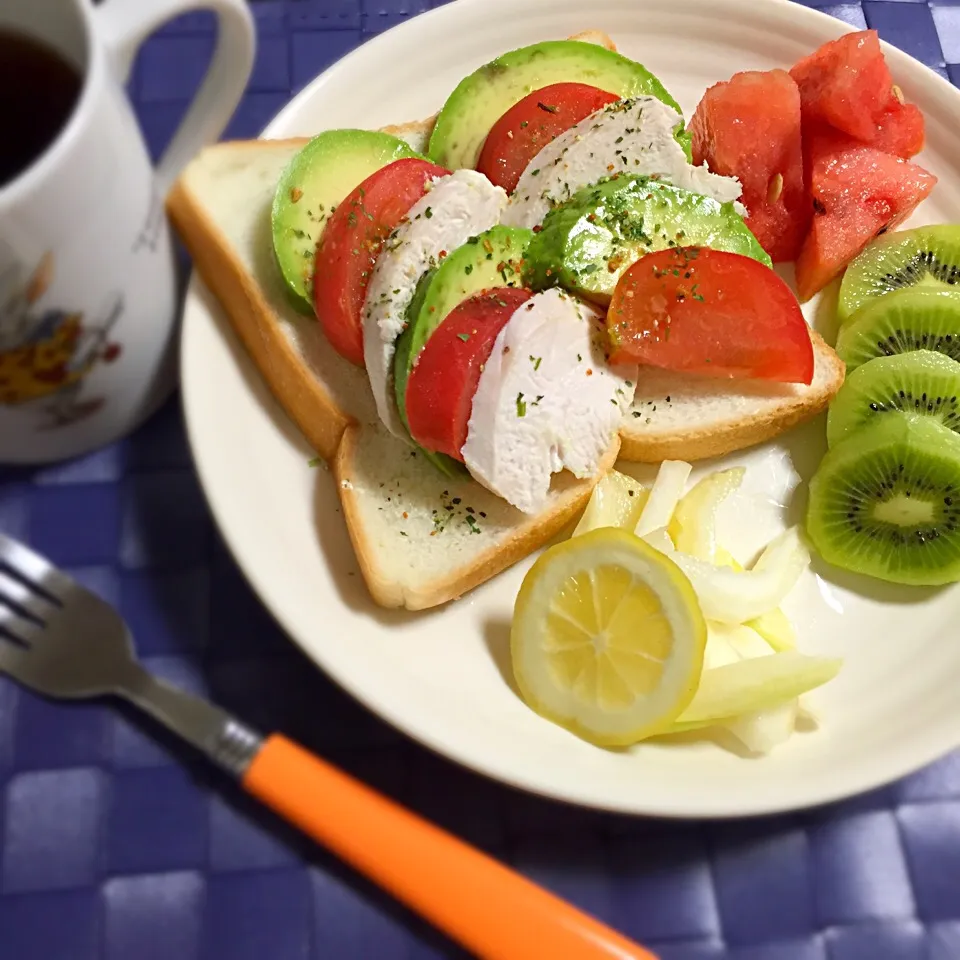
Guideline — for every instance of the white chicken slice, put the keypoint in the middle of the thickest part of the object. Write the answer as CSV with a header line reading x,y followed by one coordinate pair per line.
x,y
547,400
457,207
628,136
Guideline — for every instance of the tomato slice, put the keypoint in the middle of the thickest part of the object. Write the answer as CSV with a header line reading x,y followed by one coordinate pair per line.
x,y
444,379
529,125
351,242
705,311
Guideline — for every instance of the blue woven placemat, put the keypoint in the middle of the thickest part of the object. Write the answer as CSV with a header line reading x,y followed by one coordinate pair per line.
x,y
115,844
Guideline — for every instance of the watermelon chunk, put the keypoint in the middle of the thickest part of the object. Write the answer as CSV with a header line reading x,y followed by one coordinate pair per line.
x,y
900,131
846,83
857,193
749,127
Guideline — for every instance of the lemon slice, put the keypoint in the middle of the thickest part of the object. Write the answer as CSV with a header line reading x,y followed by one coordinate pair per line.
x,y
607,638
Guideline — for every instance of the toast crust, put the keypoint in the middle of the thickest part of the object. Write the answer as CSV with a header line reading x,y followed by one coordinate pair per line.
x,y
302,396
716,441
527,536
416,132
598,37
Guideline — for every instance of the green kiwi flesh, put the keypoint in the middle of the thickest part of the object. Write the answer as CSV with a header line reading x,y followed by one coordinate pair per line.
x,y
922,382
886,502
917,318
925,256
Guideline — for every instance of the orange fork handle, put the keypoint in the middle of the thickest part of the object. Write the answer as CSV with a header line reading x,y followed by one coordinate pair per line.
x,y
488,908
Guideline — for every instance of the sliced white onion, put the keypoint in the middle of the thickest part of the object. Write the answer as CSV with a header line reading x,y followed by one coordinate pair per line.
x,y
775,627
766,730
720,649
694,524
735,596
746,642
807,712
664,496
617,501
757,684
660,540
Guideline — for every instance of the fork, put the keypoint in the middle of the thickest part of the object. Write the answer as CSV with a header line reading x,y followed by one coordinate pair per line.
x,y
63,641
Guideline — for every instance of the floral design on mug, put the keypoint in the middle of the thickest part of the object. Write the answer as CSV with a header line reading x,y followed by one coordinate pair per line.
x,y
46,352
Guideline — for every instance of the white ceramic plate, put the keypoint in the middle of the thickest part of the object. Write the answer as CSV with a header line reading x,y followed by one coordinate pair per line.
x,y
444,677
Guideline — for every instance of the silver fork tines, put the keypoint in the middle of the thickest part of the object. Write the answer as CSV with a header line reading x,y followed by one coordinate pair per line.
x,y
34,568
22,610
25,597
62,640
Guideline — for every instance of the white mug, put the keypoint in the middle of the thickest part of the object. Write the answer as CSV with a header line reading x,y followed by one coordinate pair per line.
x,y
88,275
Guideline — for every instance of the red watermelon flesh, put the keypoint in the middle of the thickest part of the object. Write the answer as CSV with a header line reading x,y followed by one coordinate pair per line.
x,y
857,192
847,84
900,131
749,127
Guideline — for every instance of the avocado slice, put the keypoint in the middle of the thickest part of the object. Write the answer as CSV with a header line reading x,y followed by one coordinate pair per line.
x,y
587,242
320,176
480,99
490,259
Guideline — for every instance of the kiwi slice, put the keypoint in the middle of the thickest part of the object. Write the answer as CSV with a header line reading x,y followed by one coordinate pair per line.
x,y
886,502
922,382
925,256
917,318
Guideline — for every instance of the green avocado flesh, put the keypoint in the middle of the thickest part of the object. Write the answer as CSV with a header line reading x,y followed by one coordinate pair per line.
x,y
482,98
319,177
587,242
491,259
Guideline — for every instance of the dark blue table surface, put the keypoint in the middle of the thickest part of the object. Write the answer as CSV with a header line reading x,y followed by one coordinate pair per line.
x,y
116,844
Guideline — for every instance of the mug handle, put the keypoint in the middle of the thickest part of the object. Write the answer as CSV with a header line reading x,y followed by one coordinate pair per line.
x,y
123,25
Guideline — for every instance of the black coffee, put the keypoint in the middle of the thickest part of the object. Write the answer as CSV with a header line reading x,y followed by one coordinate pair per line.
x,y
38,90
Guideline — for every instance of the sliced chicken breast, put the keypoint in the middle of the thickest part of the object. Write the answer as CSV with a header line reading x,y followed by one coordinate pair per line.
x,y
547,400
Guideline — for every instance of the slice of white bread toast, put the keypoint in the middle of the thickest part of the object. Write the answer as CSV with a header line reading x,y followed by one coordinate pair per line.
x,y
422,538
417,542
686,417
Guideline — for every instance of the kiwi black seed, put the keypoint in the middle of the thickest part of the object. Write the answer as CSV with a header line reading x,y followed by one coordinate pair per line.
x,y
886,502
918,318
925,256
922,382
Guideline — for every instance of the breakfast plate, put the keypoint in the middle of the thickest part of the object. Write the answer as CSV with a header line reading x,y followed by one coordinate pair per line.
x,y
444,676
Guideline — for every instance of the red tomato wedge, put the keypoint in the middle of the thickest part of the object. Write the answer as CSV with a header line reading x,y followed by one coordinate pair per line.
x,y
443,381
530,124
351,242
699,310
